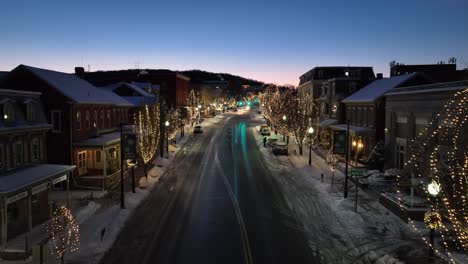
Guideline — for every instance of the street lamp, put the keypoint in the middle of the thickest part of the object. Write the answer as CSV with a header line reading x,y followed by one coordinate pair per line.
x,y
167,138
432,219
284,120
311,131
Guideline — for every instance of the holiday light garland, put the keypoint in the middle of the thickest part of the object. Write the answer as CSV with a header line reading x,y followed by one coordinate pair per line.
x,y
147,128
440,154
64,232
289,113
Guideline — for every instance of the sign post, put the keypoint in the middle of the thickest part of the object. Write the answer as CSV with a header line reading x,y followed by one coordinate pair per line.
x,y
356,174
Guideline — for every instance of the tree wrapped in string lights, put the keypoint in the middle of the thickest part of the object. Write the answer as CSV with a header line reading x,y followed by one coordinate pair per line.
x,y
440,155
298,111
193,100
64,233
290,113
175,122
148,132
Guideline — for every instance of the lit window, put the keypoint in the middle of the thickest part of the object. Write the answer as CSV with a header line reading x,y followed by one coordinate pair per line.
x,y
8,112
95,119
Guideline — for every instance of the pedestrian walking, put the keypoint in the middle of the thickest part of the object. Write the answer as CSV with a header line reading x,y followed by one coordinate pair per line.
x,y
264,141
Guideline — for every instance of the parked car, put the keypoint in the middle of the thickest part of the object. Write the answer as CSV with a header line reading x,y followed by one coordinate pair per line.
x,y
272,142
280,148
265,131
197,130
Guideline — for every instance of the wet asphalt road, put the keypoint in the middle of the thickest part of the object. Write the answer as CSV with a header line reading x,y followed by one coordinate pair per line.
x,y
217,203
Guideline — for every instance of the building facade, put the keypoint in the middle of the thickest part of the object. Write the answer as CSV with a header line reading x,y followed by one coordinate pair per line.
x,y
26,179
408,112
84,122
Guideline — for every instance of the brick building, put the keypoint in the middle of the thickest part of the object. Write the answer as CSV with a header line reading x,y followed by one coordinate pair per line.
x,y
84,120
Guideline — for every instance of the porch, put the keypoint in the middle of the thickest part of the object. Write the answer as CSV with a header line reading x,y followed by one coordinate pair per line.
x,y
26,203
98,161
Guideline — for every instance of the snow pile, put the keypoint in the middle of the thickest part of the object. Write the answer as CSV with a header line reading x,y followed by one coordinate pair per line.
x,y
83,214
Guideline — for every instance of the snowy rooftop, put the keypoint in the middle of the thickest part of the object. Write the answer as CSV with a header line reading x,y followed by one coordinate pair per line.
x,y
100,141
30,176
377,89
430,88
75,88
327,122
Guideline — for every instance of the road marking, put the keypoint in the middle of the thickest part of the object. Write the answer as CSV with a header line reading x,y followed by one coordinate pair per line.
x,y
240,220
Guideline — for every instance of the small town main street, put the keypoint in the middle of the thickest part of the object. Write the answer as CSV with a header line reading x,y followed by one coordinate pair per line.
x,y
217,203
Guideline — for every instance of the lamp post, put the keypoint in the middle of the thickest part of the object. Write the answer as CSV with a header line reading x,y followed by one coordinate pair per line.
x,y
311,131
354,143
433,188
167,137
284,120
132,164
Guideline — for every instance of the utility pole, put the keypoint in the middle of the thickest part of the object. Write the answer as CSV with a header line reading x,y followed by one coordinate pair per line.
x,y
122,197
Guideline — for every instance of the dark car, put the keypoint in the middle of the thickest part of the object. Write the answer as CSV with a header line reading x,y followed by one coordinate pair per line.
x,y
280,148
197,130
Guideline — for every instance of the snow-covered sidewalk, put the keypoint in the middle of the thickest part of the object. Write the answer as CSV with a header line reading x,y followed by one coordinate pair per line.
x,y
337,234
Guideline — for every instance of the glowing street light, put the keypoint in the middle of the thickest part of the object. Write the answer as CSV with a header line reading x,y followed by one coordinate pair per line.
x,y
284,118
311,131
433,188
5,116
166,124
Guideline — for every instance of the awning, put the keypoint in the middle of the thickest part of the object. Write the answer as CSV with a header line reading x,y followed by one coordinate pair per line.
x,y
31,176
328,122
100,141
356,129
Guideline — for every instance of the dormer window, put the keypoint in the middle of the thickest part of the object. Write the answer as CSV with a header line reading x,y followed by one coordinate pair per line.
x,y
31,111
8,112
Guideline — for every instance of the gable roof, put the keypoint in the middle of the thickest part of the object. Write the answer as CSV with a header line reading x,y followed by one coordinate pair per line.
x,y
75,88
137,89
377,89
3,74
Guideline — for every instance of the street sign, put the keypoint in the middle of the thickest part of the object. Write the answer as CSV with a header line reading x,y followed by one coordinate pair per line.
x,y
339,142
357,173
129,146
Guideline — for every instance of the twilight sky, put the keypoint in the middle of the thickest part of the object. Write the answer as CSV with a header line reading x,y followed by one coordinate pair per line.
x,y
271,41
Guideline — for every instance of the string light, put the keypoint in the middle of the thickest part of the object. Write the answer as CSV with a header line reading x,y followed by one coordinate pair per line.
x,y
147,127
441,155
64,232
289,113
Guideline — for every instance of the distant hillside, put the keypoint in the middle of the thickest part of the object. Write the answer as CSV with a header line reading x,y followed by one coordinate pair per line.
x,y
199,76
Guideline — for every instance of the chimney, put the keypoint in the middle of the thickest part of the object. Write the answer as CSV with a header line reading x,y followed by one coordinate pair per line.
x,y
379,76
79,71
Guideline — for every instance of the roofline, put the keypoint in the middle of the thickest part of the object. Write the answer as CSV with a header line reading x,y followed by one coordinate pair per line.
x,y
19,92
457,85
433,90
180,75
69,169
6,130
